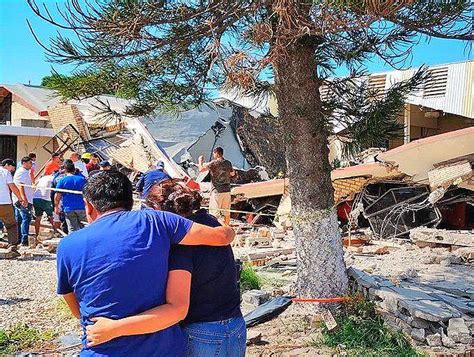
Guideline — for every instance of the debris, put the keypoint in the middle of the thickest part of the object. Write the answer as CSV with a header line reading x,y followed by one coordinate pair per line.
x,y
267,311
458,331
418,334
442,236
447,341
434,340
8,253
329,320
253,337
255,297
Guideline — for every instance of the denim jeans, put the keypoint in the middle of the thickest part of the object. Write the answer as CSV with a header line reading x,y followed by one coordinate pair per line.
x,y
23,219
226,338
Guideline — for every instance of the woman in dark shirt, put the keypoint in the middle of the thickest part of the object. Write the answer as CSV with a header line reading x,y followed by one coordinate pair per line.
x,y
214,325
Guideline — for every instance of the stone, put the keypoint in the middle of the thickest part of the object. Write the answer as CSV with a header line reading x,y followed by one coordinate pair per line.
x,y
3,245
434,340
458,331
408,274
255,297
429,310
447,341
8,253
253,337
418,334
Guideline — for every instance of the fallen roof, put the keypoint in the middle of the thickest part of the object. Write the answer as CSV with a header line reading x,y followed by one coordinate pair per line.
x,y
37,98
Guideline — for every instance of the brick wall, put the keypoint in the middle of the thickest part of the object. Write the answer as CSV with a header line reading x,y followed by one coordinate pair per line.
x,y
65,114
344,188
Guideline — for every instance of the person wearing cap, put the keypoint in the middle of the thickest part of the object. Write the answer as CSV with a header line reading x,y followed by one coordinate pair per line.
x,y
151,177
79,164
22,179
7,214
103,166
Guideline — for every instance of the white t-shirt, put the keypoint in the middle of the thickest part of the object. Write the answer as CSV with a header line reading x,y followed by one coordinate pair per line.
x,y
81,166
42,184
23,176
5,179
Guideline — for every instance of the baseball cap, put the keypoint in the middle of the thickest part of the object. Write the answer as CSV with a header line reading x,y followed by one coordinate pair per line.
x,y
86,155
104,163
8,162
160,164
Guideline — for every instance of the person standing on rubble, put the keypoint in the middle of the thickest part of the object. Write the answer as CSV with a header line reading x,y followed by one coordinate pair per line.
x,y
214,324
221,171
152,177
23,211
118,266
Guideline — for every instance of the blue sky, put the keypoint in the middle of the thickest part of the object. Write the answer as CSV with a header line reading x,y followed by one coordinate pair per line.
x,y
22,60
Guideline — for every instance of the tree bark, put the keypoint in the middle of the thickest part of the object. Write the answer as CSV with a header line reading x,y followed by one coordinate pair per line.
x,y
321,268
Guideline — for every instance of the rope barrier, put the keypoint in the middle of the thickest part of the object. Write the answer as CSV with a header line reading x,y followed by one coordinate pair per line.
x,y
60,190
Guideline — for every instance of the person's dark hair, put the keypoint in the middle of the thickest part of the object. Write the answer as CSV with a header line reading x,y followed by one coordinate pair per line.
x,y
219,151
25,159
32,155
56,154
108,190
69,167
8,162
95,155
173,196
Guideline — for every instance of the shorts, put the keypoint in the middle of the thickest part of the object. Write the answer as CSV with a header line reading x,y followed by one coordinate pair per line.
x,y
42,206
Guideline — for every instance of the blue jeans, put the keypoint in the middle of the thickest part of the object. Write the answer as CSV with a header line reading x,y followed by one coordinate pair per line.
x,y
226,338
23,218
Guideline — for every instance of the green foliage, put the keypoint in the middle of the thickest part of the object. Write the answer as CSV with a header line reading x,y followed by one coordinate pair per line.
x,y
249,279
20,337
364,333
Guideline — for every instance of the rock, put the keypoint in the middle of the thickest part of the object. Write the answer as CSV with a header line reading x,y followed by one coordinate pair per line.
x,y
8,253
458,331
253,337
429,310
434,340
68,340
447,341
418,334
255,297
3,245
408,274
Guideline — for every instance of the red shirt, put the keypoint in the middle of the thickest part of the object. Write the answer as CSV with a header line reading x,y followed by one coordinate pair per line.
x,y
51,167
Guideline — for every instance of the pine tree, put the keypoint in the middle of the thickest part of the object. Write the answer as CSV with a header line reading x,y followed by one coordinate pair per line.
x,y
177,53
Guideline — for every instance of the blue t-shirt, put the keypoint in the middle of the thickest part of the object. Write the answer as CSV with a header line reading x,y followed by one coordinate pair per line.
x,y
72,201
118,267
149,178
215,295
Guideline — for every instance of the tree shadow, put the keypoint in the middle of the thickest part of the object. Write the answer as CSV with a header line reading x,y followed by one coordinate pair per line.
x,y
13,301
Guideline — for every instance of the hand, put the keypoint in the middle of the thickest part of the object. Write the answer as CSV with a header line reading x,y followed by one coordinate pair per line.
x,y
201,159
101,331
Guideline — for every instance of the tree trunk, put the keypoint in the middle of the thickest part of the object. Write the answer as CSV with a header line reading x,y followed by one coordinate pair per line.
x,y
321,268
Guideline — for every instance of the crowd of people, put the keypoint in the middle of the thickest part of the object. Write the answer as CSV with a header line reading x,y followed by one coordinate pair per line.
x,y
159,281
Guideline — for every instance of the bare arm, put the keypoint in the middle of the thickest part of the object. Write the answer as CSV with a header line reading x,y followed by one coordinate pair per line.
x,y
71,301
203,235
15,191
177,303
57,201
201,165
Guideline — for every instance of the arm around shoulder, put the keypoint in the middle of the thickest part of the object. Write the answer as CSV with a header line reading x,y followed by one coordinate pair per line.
x,y
200,234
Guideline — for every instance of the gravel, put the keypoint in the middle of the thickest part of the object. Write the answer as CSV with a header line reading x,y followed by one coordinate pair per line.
x,y
27,295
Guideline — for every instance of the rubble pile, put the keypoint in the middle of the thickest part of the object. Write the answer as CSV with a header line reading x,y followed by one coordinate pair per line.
x,y
436,314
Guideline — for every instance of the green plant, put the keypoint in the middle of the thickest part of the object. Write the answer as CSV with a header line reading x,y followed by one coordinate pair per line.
x,y
20,337
364,333
249,279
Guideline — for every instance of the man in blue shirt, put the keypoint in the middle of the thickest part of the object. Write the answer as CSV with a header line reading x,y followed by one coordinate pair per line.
x,y
118,265
151,177
73,204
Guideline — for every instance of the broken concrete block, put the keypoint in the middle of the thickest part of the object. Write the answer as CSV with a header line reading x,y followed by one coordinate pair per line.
x,y
418,334
8,253
253,337
434,340
255,297
429,310
458,331
3,245
447,341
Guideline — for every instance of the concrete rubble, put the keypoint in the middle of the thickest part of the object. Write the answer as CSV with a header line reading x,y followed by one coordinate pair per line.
x,y
430,313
